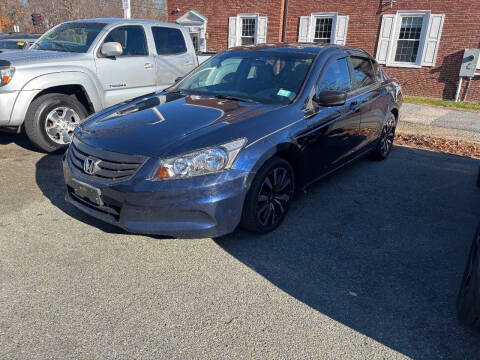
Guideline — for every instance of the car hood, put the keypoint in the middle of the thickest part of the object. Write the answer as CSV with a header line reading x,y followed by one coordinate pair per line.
x,y
28,57
157,124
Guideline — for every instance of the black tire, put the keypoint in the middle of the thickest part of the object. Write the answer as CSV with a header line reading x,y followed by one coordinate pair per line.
x,y
37,116
468,300
277,202
385,143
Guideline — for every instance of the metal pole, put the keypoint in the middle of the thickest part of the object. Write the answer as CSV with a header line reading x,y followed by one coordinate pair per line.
x,y
285,15
127,12
468,88
459,88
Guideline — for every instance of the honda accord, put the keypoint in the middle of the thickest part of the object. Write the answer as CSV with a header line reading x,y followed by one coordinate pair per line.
x,y
232,142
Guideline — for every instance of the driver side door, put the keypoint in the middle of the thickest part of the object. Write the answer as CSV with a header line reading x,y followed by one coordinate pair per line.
x,y
333,132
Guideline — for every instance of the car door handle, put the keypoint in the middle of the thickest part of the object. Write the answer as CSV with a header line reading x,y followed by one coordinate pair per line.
x,y
148,66
188,63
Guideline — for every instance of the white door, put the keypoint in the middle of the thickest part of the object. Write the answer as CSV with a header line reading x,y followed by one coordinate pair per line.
x,y
133,73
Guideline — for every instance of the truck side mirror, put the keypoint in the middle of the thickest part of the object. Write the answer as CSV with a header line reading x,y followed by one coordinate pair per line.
x,y
111,49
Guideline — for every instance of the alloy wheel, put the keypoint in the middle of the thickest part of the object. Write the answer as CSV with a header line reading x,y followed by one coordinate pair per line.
x,y
60,124
274,196
388,133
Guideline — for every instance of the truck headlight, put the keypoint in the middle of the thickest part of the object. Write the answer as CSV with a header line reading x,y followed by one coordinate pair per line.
x,y
201,162
6,75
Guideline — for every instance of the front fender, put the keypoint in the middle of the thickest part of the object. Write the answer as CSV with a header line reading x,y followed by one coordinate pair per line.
x,y
46,81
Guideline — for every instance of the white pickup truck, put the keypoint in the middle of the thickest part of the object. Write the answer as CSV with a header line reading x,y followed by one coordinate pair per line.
x,y
83,66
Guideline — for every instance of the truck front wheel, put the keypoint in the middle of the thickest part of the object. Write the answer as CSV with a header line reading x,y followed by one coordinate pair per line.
x,y
51,120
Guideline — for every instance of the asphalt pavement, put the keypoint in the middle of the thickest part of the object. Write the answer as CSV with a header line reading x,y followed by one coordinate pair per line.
x,y
366,266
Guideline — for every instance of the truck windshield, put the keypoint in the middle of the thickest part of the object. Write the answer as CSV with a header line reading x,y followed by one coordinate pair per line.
x,y
269,77
70,37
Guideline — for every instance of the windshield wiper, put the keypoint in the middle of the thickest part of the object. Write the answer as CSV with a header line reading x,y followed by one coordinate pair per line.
x,y
235,98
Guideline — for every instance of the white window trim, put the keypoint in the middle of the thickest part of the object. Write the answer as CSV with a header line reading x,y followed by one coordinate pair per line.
x,y
425,14
313,23
239,27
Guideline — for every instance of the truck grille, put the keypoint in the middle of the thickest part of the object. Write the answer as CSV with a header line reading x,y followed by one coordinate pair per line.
x,y
110,167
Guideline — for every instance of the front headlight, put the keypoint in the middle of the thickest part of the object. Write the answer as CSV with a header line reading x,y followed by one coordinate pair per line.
x,y
201,162
6,75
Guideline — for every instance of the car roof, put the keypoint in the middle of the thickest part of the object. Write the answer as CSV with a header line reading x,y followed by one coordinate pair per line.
x,y
125,21
310,48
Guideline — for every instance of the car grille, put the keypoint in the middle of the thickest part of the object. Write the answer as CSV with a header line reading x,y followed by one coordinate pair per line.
x,y
111,167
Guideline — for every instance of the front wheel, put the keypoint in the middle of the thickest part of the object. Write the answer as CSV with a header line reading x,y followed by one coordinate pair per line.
x,y
385,143
269,197
51,120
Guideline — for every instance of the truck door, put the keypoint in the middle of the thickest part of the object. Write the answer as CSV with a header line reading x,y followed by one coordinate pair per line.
x,y
131,74
175,57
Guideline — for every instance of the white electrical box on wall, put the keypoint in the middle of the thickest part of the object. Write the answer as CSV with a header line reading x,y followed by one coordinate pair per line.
x,y
470,62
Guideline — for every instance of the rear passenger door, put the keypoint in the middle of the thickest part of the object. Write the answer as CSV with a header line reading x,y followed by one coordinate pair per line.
x,y
131,74
370,93
173,58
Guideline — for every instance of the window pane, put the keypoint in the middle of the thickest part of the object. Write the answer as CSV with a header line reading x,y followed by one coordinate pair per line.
x,y
194,37
168,41
363,71
409,39
336,77
323,30
248,31
132,39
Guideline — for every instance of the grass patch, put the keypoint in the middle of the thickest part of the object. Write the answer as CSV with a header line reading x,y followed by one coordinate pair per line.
x,y
445,103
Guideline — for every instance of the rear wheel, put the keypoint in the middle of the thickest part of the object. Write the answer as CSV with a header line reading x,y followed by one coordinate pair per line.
x,y
385,142
468,300
269,197
51,120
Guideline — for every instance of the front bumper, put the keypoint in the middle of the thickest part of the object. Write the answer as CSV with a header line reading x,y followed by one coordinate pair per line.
x,y
204,206
7,101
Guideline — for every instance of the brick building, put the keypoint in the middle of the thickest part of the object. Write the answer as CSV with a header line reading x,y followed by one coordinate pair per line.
x,y
420,42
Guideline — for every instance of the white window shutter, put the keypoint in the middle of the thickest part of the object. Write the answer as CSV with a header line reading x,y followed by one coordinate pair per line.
x,y
232,31
385,39
341,29
303,28
262,30
432,39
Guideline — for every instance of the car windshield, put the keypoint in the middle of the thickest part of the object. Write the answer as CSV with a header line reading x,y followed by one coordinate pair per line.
x,y
9,44
268,77
70,37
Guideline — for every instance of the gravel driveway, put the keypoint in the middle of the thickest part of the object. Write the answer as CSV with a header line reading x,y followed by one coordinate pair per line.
x,y
366,266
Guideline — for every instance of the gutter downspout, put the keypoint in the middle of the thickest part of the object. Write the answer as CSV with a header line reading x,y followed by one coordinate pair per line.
x,y
285,16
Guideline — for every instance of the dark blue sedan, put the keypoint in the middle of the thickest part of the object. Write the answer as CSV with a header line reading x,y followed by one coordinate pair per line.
x,y
232,142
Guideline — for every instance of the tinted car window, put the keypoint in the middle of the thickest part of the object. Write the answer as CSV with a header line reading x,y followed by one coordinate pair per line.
x,y
132,39
335,77
381,76
168,41
11,45
363,71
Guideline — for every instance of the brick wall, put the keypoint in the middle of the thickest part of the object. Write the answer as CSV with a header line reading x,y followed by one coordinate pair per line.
x,y
218,12
461,30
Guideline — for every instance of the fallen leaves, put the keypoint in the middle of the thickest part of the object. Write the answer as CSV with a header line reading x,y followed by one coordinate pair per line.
x,y
455,147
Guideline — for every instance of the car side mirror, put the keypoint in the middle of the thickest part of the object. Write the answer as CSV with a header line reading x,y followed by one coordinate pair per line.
x,y
331,98
178,79
111,49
